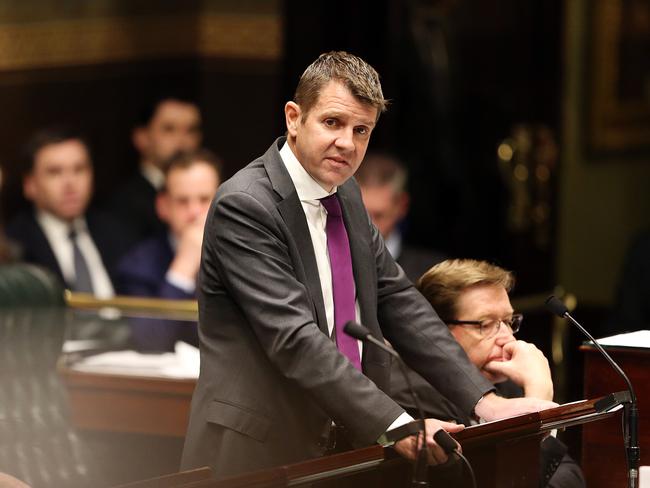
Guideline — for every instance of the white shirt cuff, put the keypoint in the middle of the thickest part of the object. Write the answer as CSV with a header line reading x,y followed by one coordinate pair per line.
x,y
185,284
403,419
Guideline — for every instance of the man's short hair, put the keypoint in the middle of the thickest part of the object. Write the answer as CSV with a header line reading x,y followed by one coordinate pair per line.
x,y
358,76
47,137
184,160
443,283
381,169
151,105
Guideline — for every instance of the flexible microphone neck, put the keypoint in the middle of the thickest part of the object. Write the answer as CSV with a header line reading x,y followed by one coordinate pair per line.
x,y
558,308
361,333
631,410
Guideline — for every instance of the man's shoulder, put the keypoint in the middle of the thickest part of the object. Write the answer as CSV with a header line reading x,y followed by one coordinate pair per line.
x,y
153,249
151,256
22,226
257,177
136,182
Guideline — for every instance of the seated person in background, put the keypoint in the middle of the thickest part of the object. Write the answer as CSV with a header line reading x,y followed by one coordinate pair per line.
x,y
471,297
632,308
80,245
382,179
166,266
168,125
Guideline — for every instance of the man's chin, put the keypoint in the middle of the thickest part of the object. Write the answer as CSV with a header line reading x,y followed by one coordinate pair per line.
x,y
493,378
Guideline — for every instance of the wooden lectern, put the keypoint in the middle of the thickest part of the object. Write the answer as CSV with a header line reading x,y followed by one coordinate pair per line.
x,y
603,452
502,453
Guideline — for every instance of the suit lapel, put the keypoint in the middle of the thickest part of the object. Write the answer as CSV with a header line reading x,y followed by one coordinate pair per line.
x,y
291,210
42,250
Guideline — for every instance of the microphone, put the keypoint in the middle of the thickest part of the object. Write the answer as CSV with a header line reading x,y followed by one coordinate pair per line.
x,y
361,333
631,411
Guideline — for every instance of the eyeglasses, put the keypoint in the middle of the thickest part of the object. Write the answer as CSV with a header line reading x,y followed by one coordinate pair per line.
x,y
489,328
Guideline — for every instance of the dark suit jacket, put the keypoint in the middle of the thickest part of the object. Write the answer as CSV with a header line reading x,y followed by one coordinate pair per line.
x,y
141,272
558,469
271,379
134,205
415,261
109,236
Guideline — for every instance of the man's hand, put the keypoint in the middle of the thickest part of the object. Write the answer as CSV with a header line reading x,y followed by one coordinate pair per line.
x,y
494,407
407,447
526,366
188,253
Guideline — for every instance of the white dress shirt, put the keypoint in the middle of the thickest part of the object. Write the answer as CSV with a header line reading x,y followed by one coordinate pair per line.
x,y
310,192
57,233
153,175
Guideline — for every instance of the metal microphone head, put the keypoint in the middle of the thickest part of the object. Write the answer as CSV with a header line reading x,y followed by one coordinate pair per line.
x,y
556,306
355,330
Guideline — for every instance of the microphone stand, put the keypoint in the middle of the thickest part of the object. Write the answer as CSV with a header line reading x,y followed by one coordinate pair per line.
x,y
631,411
420,478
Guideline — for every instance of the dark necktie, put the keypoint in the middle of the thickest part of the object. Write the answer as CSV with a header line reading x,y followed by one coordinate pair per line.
x,y
82,282
338,246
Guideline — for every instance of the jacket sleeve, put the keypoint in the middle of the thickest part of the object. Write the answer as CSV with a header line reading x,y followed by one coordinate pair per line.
x,y
246,250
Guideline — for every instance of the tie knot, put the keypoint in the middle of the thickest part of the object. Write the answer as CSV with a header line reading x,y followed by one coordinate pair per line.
x,y
332,204
72,233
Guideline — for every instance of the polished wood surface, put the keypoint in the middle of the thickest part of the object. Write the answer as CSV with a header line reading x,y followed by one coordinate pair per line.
x,y
503,453
603,454
132,404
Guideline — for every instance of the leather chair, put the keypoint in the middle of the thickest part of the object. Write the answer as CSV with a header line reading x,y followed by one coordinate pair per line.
x,y
37,443
27,285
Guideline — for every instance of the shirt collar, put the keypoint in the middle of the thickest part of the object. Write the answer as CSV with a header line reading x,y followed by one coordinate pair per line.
x,y
307,187
153,175
58,226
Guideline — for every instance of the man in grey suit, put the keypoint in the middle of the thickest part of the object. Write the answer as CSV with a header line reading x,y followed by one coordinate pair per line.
x,y
275,288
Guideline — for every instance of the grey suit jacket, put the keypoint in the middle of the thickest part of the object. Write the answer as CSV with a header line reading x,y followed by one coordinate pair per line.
x,y
271,379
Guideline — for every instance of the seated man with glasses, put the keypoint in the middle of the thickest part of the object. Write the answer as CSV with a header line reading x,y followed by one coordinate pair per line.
x,y
471,297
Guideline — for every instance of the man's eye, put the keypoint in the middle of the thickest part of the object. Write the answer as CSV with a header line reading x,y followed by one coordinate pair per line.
x,y
330,122
363,131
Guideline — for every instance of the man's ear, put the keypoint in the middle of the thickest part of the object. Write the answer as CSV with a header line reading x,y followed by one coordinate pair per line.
x,y
162,206
29,187
292,115
140,139
403,203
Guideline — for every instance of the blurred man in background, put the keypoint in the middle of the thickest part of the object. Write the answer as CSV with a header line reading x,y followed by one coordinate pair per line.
x,y
383,182
61,232
167,126
167,265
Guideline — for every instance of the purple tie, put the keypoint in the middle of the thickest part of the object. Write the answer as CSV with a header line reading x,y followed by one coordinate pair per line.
x,y
338,247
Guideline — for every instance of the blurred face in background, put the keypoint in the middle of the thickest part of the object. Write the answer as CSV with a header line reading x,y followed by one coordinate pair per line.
x,y
187,197
386,206
175,127
61,179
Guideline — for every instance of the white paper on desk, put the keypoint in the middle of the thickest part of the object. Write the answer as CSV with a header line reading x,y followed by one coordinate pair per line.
x,y
637,339
182,363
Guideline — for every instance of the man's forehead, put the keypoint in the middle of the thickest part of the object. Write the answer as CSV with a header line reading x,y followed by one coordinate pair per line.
x,y
484,297
69,150
336,99
171,108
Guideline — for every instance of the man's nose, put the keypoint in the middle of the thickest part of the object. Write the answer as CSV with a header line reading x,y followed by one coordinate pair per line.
x,y
345,140
504,334
185,141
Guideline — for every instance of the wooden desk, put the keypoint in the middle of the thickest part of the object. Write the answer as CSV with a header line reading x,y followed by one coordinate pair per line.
x,y
603,454
118,403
